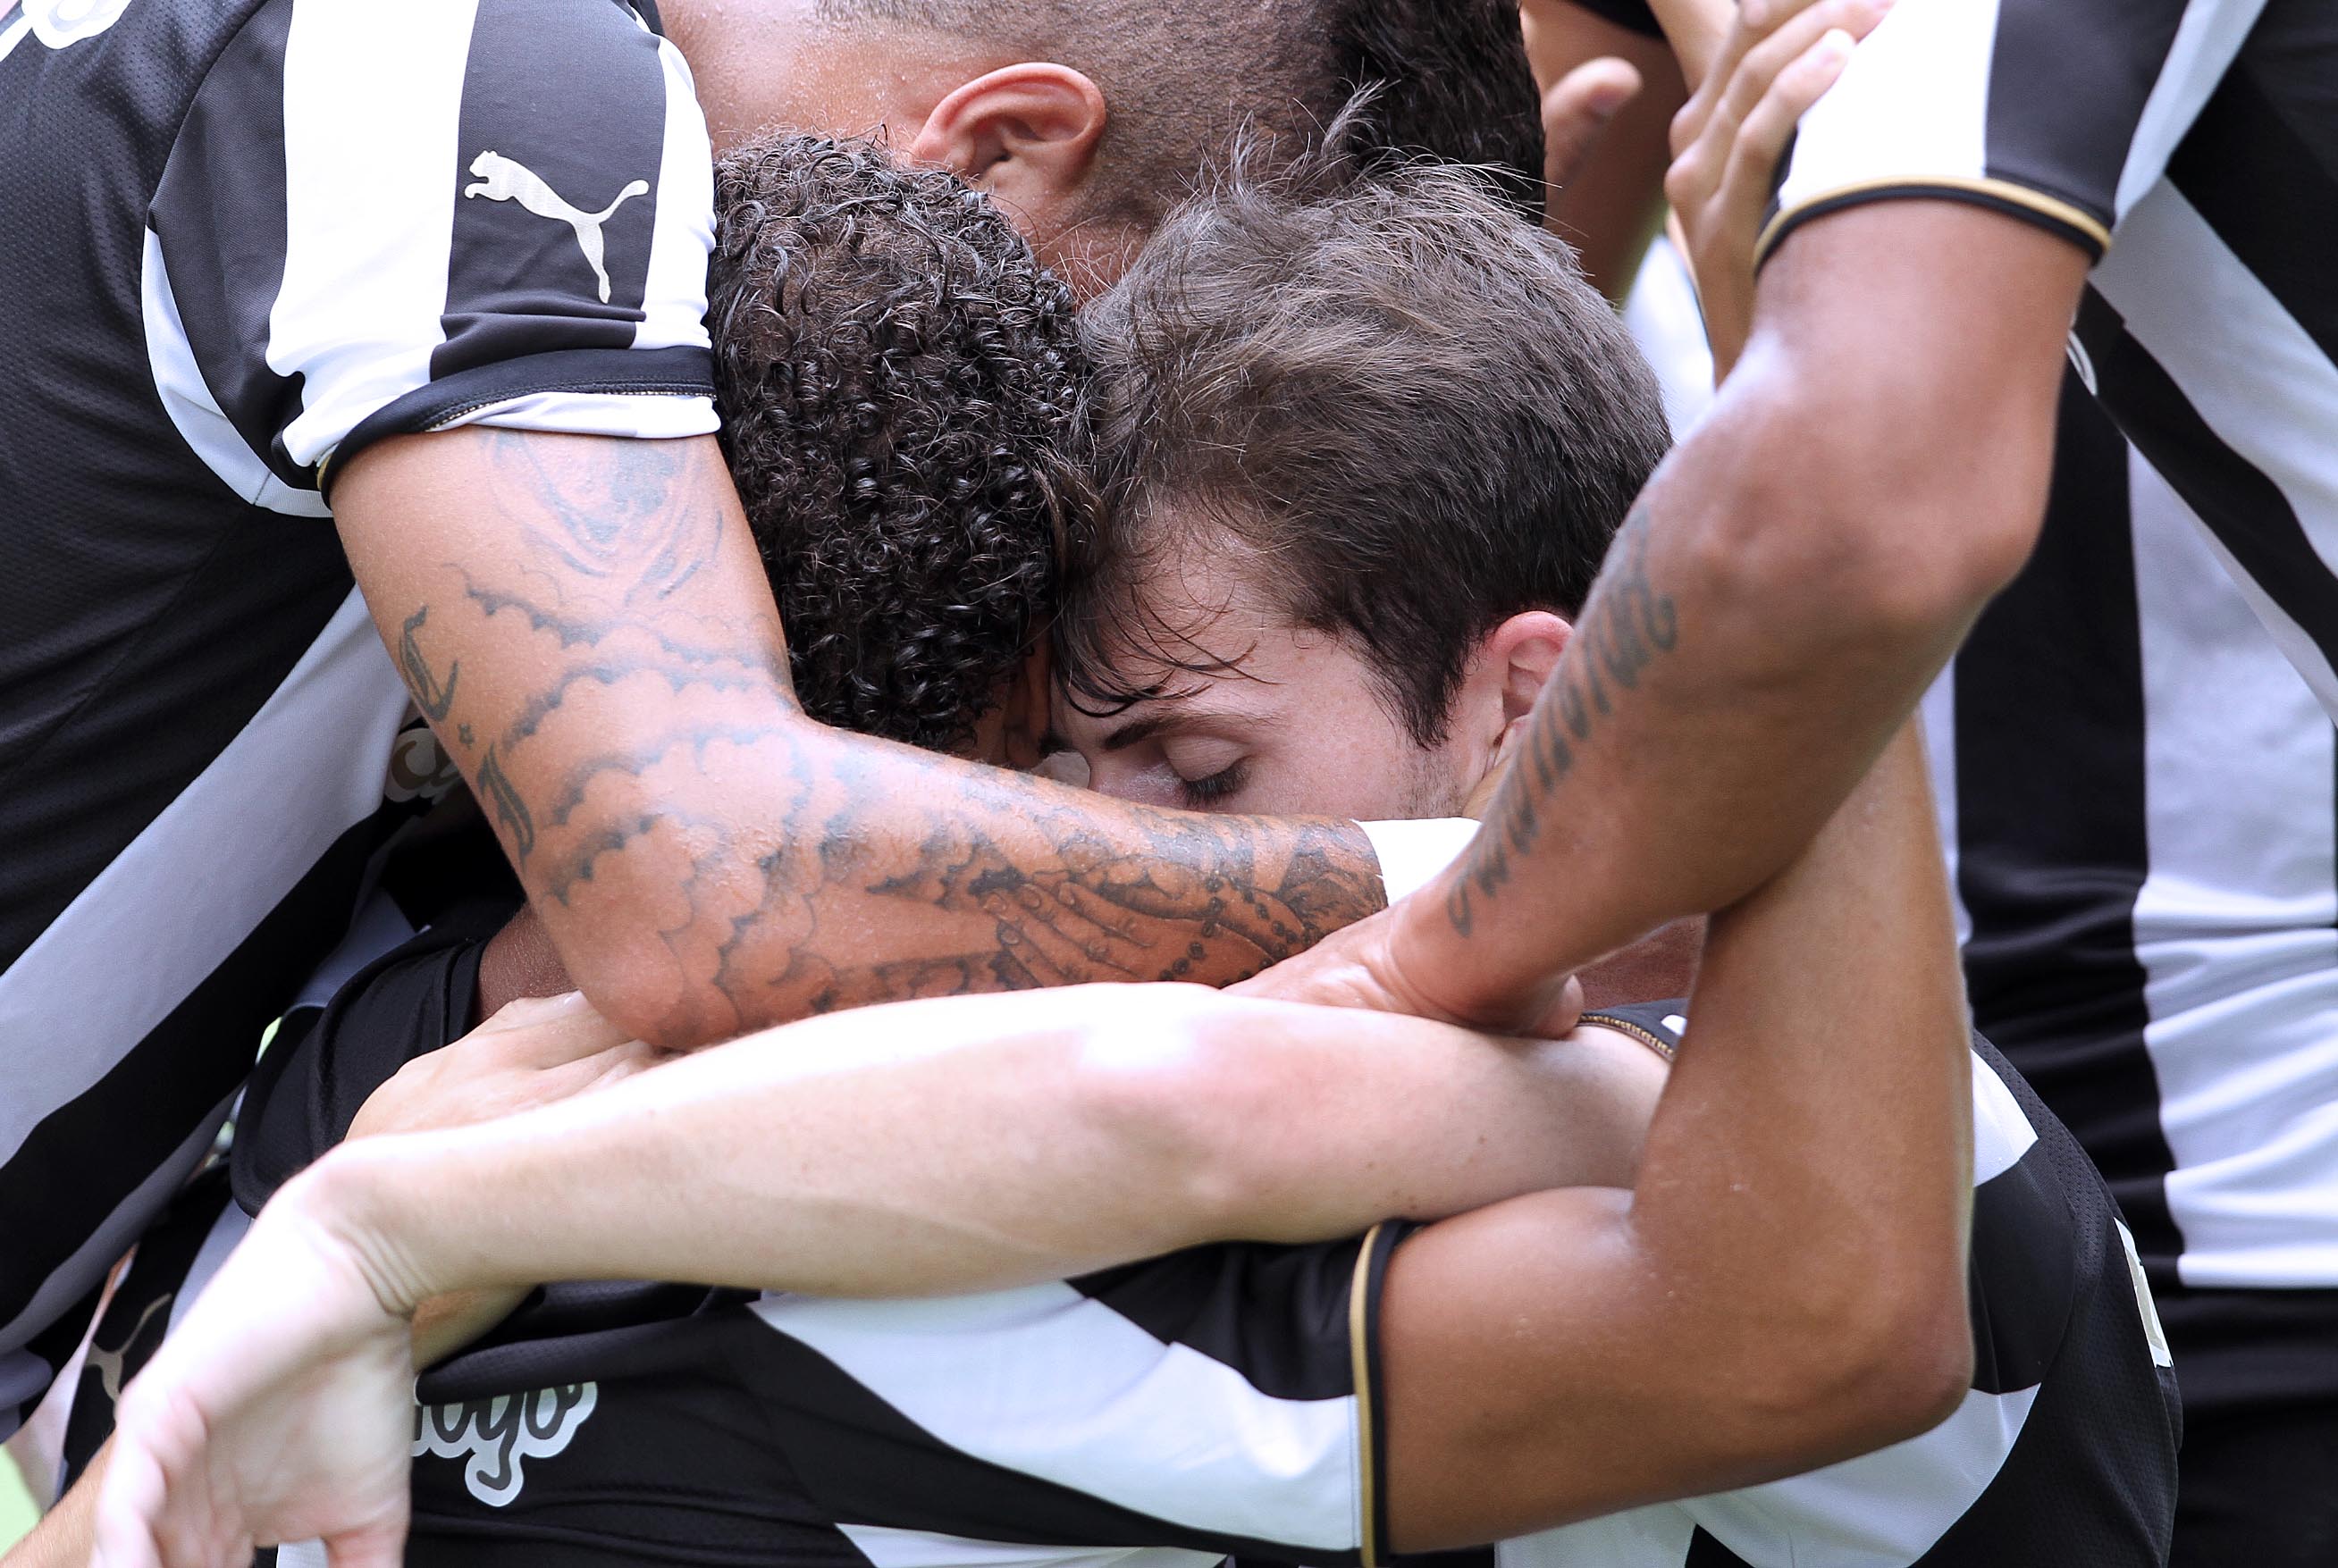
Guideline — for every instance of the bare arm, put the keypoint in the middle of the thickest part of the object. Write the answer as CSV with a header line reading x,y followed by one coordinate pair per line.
x,y
1784,1288
586,624
1788,585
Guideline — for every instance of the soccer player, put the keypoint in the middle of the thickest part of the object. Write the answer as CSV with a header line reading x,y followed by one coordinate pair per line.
x,y
1054,1415
310,297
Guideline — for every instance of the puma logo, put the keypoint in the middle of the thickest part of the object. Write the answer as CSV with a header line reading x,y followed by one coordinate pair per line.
x,y
109,1365
503,178
494,1435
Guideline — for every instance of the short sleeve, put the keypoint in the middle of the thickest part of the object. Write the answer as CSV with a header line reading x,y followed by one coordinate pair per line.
x,y
1222,1400
379,219
2060,112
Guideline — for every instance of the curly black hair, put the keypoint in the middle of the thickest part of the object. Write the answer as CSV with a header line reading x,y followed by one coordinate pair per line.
x,y
900,385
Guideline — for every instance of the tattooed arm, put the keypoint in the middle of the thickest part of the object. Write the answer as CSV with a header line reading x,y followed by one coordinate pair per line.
x,y
587,626
1792,578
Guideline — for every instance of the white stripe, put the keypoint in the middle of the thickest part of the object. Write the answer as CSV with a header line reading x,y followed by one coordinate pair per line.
x,y
107,1243
187,399
186,892
648,415
2254,375
1938,716
1654,1538
2002,1133
889,1548
1885,1507
373,101
2207,40
674,298
1662,314
2234,922
10,37
1883,1510
1913,102
1412,852
1047,1382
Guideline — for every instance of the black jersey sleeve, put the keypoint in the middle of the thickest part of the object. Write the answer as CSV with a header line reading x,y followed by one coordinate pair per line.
x,y
411,1001
2060,112
378,221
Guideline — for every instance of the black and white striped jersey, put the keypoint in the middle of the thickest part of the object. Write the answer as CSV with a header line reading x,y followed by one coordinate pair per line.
x,y
2140,794
2192,147
238,240
1220,1401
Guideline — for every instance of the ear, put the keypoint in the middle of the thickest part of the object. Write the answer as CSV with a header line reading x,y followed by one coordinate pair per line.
x,y
1514,662
1027,133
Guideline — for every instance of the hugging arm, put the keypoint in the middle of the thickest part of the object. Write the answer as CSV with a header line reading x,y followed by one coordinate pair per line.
x,y
1785,1287
586,623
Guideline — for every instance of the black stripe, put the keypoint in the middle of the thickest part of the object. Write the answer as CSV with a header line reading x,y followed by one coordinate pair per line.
x,y
1277,1314
2265,176
1706,1551
2052,845
2092,1476
222,215
86,1157
682,372
183,682
587,118
2022,1276
2068,82
2245,510
863,1462
1917,190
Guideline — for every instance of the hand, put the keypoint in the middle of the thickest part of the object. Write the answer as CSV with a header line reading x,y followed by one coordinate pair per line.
x,y
1577,111
534,1052
1777,60
1363,967
280,1409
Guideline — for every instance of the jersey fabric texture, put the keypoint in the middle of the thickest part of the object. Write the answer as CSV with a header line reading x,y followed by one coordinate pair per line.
x,y
2139,796
1220,1401
2191,149
239,241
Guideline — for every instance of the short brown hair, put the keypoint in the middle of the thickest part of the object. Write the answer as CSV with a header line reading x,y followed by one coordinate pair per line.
x,y
1404,397
1184,79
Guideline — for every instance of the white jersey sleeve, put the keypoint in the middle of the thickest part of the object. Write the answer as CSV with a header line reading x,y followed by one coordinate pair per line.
x,y
2059,112
378,219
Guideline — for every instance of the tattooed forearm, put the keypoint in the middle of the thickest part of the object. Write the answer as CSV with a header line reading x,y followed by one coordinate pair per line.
x,y
1627,625
629,726
434,697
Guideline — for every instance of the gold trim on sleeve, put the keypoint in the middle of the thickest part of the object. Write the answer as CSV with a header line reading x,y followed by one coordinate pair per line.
x,y
1360,1357
2004,190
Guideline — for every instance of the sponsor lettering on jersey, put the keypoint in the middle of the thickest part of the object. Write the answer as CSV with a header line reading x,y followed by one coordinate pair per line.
x,y
496,1436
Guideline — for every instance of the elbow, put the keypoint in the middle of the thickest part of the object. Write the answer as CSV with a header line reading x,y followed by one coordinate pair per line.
x,y
1878,1371
1846,528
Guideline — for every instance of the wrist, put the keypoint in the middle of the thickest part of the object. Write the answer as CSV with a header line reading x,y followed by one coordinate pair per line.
x,y
356,1201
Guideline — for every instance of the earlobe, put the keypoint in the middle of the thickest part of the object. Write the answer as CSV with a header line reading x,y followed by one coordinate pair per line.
x,y
1026,133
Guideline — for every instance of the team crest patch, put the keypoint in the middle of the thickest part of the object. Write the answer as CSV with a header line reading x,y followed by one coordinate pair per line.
x,y
496,1436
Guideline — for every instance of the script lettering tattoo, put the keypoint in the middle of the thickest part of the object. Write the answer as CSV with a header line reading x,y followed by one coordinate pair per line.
x,y
434,697
1627,625
848,872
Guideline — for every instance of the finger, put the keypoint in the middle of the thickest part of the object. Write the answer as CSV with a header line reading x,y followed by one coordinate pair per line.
x,y
1761,140
1752,56
1577,111
1753,79
528,1011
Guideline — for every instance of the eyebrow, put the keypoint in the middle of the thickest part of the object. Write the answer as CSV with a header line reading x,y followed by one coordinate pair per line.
x,y
1171,713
